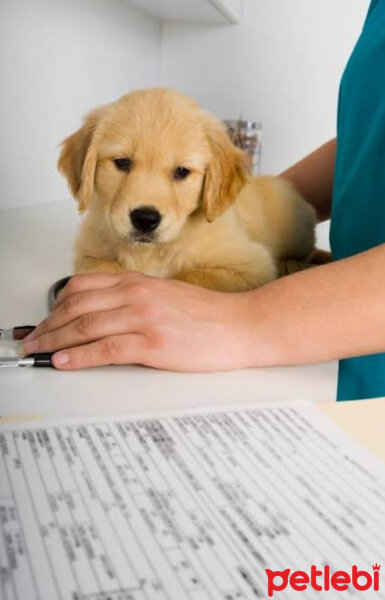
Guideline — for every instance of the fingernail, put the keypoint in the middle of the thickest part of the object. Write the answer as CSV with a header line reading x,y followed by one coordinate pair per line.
x,y
30,347
61,358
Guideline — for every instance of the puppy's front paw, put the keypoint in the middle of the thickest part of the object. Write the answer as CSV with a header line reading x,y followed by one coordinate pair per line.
x,y
221,279
89,264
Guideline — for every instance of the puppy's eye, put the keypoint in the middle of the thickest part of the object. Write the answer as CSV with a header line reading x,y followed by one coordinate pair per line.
x,y
123,164
181,173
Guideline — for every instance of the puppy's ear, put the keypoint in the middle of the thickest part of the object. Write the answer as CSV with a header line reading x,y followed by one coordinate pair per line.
x,y
77,160
225,175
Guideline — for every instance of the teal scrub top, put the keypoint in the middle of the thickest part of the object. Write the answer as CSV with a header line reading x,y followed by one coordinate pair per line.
x,y
358,208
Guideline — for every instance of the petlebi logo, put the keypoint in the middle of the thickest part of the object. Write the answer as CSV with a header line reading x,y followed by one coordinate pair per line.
x,y
323,580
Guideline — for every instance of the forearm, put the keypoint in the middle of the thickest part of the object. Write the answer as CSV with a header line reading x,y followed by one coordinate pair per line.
x,y
313,178
330,312
325,313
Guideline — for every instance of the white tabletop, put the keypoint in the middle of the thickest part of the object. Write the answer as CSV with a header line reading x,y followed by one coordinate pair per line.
x,y
35,250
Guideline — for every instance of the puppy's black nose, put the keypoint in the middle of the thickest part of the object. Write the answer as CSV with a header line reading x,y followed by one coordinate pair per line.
x,y
145,219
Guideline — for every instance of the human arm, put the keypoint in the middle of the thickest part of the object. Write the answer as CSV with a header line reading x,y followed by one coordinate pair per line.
x,y
313,178
329,312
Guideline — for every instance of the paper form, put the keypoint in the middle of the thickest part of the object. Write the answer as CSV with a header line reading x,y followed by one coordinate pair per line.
x,y
190,506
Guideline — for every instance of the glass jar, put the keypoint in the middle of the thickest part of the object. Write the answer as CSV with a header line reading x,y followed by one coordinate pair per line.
x,y
247,135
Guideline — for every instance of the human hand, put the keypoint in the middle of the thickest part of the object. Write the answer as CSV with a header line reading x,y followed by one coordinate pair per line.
x,y
129,318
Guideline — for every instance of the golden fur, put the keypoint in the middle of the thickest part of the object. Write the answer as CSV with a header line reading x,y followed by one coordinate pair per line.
x,y
219,229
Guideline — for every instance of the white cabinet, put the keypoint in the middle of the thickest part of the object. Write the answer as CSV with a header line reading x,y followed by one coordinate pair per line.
x,y
199,11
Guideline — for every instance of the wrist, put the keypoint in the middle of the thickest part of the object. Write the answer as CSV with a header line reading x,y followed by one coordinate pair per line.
x,y
265,337
247,325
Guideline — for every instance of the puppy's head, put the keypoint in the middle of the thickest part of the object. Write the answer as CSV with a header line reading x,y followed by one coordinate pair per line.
x,y
150,160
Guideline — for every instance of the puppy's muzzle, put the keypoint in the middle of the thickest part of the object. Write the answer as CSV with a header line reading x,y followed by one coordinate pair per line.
x,y
145,219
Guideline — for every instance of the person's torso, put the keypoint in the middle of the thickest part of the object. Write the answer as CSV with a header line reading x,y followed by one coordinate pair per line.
x,y
358,211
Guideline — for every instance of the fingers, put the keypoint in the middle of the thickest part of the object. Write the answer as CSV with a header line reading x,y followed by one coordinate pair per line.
x,y
79,304
114,350
88,327
96,281
83,283
111,292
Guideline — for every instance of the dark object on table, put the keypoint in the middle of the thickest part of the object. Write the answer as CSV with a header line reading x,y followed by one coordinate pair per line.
x,y
55,289
14,334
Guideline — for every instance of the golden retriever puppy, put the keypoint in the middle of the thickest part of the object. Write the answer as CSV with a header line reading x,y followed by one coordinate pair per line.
x,y
166,193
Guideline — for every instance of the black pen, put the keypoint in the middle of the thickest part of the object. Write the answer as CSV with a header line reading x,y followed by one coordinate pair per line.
x,y
31,360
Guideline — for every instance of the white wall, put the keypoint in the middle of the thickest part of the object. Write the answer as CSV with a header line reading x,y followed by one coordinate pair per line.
x,y
281,65
58,59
